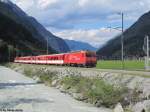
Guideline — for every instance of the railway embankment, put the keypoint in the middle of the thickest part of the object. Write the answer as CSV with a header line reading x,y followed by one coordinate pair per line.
x,y
99,87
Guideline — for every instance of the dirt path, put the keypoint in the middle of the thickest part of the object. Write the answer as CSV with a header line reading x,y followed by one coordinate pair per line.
x,y
129,72
20,92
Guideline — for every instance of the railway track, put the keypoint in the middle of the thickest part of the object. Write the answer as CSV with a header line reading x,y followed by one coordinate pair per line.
x,y
129,72
123,72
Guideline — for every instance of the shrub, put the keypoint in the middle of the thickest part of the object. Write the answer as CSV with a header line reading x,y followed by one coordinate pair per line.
x,y
47,77
95,89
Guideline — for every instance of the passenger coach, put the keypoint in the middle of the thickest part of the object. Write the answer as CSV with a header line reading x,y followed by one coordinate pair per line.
x,y
78,58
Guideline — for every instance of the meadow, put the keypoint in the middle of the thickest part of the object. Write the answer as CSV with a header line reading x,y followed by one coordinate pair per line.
x,y
117,64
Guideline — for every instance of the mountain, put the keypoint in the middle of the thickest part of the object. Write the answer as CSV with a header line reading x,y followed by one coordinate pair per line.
x,y
133,40
36,32
77,45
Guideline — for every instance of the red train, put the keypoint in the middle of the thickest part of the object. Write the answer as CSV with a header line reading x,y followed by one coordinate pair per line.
x,y
78,58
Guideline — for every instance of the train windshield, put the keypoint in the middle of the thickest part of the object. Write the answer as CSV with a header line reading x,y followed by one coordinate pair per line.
x,y
90,55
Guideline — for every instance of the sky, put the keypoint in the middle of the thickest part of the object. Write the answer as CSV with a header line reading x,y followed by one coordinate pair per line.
x,y
84,20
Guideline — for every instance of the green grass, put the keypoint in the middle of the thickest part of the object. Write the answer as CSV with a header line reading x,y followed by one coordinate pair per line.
x,y
116,64
95,89
92,89
45,76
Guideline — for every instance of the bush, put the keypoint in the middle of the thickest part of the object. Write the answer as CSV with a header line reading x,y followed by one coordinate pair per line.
x,y
106,93
45,76
28,72
96,90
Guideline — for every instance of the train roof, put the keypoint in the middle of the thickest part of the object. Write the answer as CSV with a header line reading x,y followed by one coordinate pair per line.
x,y
82,51
62,53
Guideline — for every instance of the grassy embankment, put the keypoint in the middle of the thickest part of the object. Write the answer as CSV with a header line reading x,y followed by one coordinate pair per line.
x,y
116,64
92,90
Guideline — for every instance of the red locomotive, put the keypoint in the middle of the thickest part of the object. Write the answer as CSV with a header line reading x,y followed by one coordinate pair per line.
x,y
78,58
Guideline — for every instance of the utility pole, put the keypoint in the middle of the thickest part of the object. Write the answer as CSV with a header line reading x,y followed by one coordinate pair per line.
x,y
147,52
122,42
9,54
47,46
122,38
16,50
147,47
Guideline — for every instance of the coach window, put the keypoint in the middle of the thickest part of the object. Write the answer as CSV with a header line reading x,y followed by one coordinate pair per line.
x,y
63,57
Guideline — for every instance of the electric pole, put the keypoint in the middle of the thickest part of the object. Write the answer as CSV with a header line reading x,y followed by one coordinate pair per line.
x,y
147,47
122,41
47,46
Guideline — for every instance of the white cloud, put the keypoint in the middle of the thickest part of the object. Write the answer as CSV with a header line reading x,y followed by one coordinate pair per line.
x,y
45,3
82,3
24,4
70,18
77,11
95,37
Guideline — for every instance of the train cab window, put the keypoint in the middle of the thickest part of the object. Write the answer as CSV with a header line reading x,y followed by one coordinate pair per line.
x,y
88,55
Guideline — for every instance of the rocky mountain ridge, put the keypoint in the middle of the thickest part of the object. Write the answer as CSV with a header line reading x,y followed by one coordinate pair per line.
x,y
133,40
38,32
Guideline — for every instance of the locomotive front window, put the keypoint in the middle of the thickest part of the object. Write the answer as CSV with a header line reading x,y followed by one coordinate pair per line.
x,y
90,55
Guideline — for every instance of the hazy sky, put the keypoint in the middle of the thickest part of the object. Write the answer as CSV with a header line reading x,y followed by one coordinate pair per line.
x,y
84,20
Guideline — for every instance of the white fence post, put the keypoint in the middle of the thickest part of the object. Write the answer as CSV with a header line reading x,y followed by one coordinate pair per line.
x,y
146,50
147,66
